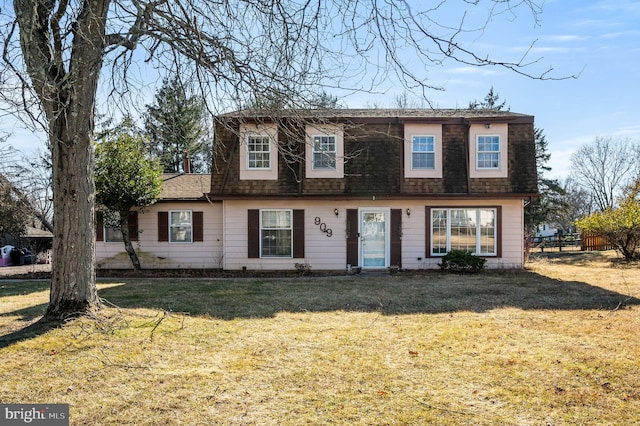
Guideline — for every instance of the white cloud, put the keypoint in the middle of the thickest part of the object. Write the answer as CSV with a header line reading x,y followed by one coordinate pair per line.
x,y
473,71
566,38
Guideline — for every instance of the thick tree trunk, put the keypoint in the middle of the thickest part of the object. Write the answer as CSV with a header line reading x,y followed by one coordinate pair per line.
x,y
64,70
73,284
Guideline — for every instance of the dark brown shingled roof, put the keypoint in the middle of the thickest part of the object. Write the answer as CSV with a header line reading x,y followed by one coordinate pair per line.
x,y
445,113
180,186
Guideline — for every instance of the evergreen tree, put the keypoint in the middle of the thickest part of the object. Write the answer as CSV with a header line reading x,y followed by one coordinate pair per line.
x,y
490,102
174,126
550,203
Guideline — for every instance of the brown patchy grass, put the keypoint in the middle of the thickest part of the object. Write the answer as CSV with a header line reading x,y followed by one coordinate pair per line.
x,y
555,344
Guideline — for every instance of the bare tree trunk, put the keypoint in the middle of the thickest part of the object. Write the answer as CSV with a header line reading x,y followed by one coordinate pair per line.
x,y
65,81
126,238
73,286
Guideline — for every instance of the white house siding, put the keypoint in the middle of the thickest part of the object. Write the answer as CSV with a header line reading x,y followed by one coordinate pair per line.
x,y
158,255
329,253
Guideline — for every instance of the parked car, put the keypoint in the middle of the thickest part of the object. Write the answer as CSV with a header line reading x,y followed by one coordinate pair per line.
x,y
26,257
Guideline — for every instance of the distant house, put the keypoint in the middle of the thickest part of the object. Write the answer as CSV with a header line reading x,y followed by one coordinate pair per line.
x,y
370,188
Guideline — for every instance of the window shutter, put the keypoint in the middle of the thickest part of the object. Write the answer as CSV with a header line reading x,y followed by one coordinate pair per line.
x,y
99,226
498,235
352,237
298,233
133,226
253,233
427,232
198,226
395,251
163,226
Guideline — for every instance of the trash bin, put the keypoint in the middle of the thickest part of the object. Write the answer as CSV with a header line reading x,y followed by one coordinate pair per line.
x,y
5,255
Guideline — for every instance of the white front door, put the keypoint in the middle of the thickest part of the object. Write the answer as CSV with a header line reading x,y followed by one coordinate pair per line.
x,y
374,238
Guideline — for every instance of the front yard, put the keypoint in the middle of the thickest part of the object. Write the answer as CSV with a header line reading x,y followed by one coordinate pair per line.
x,y
556,344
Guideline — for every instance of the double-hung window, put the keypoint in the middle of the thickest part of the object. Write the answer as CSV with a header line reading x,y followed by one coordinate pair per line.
x,y
470,229
324,152
112,234
276,233
423,153
180,226
258,152
488,152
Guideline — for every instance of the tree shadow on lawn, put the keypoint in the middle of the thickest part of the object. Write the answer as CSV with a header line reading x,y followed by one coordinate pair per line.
x,y
403,293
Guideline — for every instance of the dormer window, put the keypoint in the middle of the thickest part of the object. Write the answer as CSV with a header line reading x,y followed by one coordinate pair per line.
x,y
423,153
324,152
258,152
488,152
423,150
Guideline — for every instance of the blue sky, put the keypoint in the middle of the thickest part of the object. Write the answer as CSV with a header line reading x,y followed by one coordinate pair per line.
x,y
596,40
599,41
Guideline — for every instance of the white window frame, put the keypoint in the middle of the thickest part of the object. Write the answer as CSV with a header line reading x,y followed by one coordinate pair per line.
x,y
417,129
254,130
110,232
173,226
276,228
489,130
113,235
488,152
264,140
480,244
317,140
427,153
313,131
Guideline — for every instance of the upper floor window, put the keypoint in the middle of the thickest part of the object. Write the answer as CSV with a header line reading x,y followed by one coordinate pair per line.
x,y
324,152
423,150
180,226
423,153
488,152
258,152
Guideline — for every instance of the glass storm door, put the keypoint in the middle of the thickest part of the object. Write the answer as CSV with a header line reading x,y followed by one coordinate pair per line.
x,y
374,238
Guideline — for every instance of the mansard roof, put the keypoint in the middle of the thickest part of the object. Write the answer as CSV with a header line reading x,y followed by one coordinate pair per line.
x,y
423,114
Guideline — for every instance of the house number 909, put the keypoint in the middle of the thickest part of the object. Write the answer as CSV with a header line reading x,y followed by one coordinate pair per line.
x,y
323,227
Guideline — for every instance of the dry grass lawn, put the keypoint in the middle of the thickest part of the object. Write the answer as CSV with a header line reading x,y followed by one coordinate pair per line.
x,y
555,344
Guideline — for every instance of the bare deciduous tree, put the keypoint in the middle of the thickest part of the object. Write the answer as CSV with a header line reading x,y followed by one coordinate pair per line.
x,y
604,168
58,52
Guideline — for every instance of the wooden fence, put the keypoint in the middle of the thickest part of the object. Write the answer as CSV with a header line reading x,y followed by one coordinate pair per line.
x,y
594,242
582,242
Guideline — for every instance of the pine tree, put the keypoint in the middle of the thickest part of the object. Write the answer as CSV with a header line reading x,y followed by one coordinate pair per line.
x,y
174,126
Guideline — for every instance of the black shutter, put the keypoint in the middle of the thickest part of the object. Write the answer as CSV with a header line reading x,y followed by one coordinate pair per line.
x,y
352,237
163,226
396,238
427,232
99,226
298,234
132,220
253,233
198,226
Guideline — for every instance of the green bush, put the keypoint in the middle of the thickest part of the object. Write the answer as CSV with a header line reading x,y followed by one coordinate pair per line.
x,y
462,261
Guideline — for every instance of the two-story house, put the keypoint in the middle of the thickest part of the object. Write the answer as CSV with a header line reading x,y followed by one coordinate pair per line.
x,y
372,188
